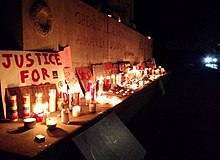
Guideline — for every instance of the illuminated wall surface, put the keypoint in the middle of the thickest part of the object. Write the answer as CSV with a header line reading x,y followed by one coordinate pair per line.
x,y
92,36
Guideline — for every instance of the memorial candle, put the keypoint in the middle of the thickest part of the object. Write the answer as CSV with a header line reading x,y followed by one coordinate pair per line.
x,y
76,98
52,100
92,107
88,97
13,108
93,93
26,107
38,98
76,111
108,82
112,80
51,122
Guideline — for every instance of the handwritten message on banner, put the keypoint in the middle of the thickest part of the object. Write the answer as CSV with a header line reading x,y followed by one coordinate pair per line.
x,y
21,68
27,68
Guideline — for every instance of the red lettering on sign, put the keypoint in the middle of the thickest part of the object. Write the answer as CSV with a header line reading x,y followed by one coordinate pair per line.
x,y
19,64
45,57
84,75
44,73
57,58
35,73
50,58
24,75
30,60
8,57
38,58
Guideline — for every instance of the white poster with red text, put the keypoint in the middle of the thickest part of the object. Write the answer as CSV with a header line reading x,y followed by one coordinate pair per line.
x,y
26,68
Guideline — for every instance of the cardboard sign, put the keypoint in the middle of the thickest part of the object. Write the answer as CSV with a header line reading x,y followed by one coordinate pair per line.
x,y
72,81
65,57
84,74
123,66
27,68
109,139
115,69
108,68
98,71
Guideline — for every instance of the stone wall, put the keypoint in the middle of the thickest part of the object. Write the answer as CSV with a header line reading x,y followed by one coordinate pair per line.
x,y
92,36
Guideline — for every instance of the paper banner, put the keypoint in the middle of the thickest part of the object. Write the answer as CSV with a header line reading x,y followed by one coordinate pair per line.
x,y
65,57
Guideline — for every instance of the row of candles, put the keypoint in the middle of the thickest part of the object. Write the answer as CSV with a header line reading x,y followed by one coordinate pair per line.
x,y
67,102
40,111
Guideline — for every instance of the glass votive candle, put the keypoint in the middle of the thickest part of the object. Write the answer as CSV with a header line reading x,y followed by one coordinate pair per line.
x,y
76,98
87,98
29,123
76,111
92,107
51,122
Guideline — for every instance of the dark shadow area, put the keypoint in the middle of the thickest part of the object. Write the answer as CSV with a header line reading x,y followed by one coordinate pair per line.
x,y
184,124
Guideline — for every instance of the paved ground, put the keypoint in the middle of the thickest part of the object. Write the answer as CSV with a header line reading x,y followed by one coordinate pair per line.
x,y
184,124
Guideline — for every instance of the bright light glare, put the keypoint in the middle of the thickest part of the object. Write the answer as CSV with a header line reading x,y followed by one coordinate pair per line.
x,y
214,66
214,60
208,59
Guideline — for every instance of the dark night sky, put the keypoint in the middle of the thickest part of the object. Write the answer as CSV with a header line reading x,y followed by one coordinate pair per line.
x,y
164,19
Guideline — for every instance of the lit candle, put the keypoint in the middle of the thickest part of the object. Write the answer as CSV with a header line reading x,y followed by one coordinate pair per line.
x,y
51,122
38,98
13,108
93,93
101,84
39,117
52,100
92,107
112,81
26,107
88,97
108,82
29,123
45,113
65,115
118,79
70,101
76,98
76,111
141,83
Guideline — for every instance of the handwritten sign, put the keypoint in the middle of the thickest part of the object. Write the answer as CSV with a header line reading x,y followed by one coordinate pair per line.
x,y
84,74
109,139
21,68
123,66
108,68
72,81
98,71
115,69
27,68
